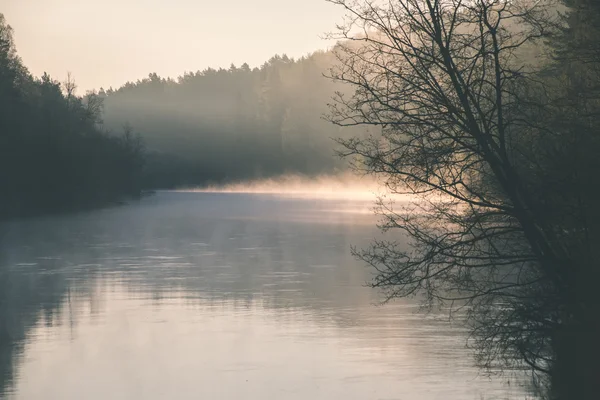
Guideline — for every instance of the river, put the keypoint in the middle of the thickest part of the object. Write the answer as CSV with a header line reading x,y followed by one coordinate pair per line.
x,y
190,295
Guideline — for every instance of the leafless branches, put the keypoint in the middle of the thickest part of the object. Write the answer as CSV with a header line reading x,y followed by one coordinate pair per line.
x,y
445,81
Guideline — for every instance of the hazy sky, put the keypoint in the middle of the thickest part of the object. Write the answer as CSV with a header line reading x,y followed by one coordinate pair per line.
x,y
108,42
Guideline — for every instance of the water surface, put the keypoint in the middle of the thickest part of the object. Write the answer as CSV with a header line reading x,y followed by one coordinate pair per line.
x,y
216,296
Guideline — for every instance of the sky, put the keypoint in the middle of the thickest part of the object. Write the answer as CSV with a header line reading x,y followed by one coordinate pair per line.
x,y
106,43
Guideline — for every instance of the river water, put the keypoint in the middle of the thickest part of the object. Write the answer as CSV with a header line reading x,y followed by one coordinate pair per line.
x,y
188,295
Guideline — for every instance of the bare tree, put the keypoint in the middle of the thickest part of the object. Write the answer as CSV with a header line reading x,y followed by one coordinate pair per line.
x,y
462,118
70,88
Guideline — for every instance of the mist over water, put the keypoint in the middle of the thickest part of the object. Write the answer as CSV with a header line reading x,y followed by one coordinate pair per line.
x,y
190,294
327,186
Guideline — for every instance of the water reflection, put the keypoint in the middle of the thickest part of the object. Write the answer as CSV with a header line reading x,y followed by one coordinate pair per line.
x,y
198,295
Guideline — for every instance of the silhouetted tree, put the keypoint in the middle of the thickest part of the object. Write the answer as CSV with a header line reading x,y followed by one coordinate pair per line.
x,y
464,119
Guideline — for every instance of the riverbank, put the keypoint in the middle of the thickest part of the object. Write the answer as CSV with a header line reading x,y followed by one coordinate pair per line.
x,y
33,210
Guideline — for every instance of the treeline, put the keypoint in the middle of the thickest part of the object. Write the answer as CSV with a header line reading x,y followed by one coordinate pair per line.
x,y
59,151
232,124
53,154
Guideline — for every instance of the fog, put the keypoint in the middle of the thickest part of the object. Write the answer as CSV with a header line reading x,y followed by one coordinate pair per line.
x,y
342,186
240,123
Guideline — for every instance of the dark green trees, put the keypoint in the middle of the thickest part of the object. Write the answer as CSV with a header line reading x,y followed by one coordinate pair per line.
x,y
53,155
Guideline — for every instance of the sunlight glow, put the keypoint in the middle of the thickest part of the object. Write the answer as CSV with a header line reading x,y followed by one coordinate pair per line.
x,y
344,186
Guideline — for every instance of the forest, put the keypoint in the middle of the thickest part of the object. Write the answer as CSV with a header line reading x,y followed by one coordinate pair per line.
x,y
54,156
205,127
234,124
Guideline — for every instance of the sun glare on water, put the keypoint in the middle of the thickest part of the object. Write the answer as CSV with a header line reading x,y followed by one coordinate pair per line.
x,y
349,187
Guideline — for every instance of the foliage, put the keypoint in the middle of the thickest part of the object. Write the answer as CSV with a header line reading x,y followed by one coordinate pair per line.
x,y
53,155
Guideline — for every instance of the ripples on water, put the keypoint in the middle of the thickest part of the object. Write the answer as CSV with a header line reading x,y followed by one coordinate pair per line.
x,y
216,296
